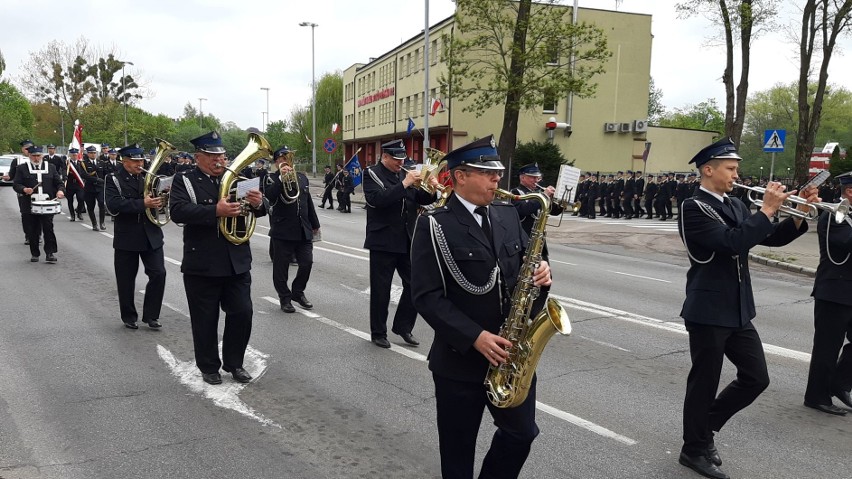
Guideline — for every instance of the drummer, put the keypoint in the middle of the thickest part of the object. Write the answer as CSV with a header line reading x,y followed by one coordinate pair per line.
x,y
40,186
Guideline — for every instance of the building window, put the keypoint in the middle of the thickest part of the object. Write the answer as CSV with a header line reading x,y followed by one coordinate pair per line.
x,y
550,102
433,52
552,52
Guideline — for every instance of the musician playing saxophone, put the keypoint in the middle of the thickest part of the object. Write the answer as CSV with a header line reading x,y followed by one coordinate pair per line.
x,y
466,259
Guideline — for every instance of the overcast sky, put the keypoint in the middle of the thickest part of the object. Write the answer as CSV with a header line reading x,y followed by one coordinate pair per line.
x,y
226,50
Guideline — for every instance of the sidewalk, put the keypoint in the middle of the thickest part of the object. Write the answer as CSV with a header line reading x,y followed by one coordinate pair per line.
x,y
801,256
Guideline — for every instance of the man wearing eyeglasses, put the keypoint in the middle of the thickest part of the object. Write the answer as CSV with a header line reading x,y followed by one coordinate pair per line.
x,y
468,256
393,197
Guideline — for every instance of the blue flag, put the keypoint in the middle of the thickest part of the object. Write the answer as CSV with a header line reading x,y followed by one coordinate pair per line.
x,y
410,125
354,167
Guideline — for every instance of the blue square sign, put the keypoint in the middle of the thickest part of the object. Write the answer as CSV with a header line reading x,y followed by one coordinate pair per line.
x,y
773,140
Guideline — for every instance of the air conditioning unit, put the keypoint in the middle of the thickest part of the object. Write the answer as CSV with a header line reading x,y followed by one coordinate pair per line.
x,y
610,127
640,126
625,128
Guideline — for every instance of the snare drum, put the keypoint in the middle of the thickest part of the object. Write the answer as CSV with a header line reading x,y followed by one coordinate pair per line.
x,y
50,207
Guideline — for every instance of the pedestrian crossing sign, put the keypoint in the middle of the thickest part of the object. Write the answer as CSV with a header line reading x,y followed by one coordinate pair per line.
x,y
773,140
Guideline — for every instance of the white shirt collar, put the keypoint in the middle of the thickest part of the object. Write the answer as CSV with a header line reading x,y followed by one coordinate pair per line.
x,y
719,197
470,207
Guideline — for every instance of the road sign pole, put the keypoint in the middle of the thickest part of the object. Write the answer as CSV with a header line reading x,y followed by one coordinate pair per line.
x,y
772,167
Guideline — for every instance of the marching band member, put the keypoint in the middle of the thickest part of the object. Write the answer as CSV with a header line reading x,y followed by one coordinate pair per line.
x,y
216,272
829,375
93,191
38,177
73,185
466,304
136,237
718,233
293,224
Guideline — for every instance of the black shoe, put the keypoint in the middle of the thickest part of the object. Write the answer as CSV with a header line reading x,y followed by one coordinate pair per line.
x,y
50,258
713,454
130,325
240,375
26,241
95,228
322,206
34,259
303,301
80,216
212,378
73,218
152,323
330,207
381,342
103,228
845,398
663,218
409,338
702,465
287,307
827,408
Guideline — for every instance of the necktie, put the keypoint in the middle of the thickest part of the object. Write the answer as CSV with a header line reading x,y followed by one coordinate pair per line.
x,y
486,225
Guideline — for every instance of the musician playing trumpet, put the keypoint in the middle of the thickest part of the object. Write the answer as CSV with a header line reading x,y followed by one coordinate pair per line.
x,y
136,238
529,176
718,232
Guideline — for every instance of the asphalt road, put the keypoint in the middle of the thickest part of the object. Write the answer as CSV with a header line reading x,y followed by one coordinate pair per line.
x,y
83,397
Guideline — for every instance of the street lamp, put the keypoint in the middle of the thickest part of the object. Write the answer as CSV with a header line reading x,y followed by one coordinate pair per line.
x,y
124,95
266,123
313,100
761,174
200,113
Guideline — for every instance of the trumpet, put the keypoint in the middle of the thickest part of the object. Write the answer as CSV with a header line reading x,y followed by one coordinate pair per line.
x,y
289,179
790,205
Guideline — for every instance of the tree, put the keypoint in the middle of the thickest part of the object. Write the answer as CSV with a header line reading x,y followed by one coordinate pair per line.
x,y
2,63
747,18
518,55
656,110
547,155
16,117
822,22
329,97
703,116
839,165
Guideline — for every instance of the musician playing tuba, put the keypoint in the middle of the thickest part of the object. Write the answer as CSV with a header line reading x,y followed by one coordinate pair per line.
x,y
216,271
459,289
135,238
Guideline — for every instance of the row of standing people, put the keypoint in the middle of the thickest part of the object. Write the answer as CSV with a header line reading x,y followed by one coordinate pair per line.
x,y
632,196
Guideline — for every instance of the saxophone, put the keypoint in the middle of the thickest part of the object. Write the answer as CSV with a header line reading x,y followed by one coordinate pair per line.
x,y
509,383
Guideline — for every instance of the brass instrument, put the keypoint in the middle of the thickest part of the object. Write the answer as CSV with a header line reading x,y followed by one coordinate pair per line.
x,y
159,216
289,180
508,384
239,229
432,167
839,210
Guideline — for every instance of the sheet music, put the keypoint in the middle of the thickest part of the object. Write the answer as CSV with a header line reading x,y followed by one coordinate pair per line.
x,y
164,184
568,178
244,186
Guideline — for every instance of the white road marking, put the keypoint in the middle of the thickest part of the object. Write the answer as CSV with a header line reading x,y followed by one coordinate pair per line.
x,y
172,261
225,395
638,276
577,421
602,343
341,253
664,325
360,250
563,262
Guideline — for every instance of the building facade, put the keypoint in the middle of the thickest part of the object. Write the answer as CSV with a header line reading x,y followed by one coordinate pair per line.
x,y
607,132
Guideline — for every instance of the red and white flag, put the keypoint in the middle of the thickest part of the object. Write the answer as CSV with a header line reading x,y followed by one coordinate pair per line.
x,y
76,142
436,104
335,128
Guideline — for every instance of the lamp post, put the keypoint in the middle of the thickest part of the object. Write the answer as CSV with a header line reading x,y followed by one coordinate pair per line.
x,y
761,174
266,123
124,95
200,113
313,100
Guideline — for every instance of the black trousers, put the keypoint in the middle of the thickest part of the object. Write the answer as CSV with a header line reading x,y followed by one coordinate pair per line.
x,y
637,206
829,374
616,206
459,409
126,266
282,253
382,266
77,194
205,295
649,207
34,226
668,205
704,411
326,195
660,207
344,201
628,206
25,223
591,209
91,199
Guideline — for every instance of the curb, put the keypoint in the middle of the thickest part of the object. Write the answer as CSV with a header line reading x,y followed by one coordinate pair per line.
x,y
793,268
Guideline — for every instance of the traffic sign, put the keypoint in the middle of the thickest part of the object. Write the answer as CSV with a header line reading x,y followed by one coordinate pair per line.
x,y
329,145
773,140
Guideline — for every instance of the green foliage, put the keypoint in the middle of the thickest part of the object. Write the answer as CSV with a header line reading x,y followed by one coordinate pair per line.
x,y
546,154
329,111
703,116
16,117
840,165
479,56
656,109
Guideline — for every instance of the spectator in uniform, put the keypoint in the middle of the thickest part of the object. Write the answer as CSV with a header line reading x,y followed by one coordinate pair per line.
x,y
328,185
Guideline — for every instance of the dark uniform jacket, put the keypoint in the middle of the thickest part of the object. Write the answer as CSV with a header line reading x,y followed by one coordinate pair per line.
x,y
683,191
105,168
391,209
593,191
528,208
206,252
457,316
58,162
51,183
651,190
133,230
639,186
71,180
834,281
718,292
89,172
629,188
295,221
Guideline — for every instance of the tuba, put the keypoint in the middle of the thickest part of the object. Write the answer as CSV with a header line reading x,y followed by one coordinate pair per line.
x,y
238,229
289,180
435,166
159,216
508,384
